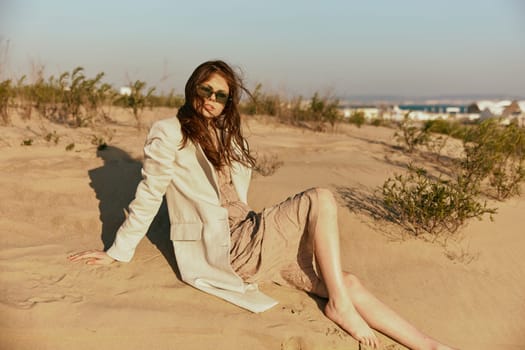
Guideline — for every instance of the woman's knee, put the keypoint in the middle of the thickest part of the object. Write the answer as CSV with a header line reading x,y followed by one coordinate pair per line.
x,y
325,198
352,282
355,289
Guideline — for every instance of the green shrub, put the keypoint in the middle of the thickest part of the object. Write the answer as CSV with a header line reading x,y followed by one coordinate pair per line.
x,y
47,97
357,118
445,127
101,141
318,112
379,122
95,93
71,88
6,95
435,206
410,135
313,114
82,97
324,109
137,100
52,137
267,165
495,153
171,100
73,98
261,103
25,98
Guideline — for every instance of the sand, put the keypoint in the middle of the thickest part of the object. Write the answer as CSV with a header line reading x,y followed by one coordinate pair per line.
x,y
56,202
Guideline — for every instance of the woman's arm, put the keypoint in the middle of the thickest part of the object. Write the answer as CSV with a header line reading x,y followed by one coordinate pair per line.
x,y
157,170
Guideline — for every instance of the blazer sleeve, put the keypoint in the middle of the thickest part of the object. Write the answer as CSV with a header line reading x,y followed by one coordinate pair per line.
x,y
157,170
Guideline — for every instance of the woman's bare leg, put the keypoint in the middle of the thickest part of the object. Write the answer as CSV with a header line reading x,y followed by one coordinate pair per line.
x,y
350,304
382,318
340,309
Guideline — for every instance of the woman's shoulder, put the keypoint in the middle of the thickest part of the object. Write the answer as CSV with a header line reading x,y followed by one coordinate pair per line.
x,y
167,123
169,127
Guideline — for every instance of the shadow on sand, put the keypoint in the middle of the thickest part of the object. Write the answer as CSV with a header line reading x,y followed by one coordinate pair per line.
x,y
115,184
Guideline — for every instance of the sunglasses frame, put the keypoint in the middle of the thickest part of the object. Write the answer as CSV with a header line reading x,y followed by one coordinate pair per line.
x,y
206,91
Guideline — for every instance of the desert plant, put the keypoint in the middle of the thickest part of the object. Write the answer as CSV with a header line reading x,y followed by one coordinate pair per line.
x,y
250,107
262,103
439,131
171,100
24,97
435,144
380,121
357,118
80,98
71,86
445,127
94,94
324,109
106,96
315,114
267,165
47,96
137,100
102,140
410,135
515,152
422,204
495,153
52,137
6,94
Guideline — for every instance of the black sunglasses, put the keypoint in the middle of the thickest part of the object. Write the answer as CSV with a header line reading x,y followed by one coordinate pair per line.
x,y
206,91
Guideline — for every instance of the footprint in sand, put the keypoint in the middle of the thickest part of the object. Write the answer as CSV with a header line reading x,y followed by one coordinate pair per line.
x,y
335,330
317,324
39,289
47,280
294,308
293,343
44,299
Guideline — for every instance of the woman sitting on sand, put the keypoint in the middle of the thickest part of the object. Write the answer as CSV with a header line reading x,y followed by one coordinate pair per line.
x,y
202,163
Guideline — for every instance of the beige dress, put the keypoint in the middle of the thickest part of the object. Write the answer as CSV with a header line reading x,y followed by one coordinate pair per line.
x,y
273,245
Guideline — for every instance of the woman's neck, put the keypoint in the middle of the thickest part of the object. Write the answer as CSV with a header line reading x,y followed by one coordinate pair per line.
x,y
214,134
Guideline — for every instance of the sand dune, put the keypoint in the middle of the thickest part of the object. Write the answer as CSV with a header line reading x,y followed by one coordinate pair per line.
x,y
55,202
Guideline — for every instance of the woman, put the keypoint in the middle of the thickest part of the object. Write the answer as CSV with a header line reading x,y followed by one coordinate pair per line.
x,y
202,163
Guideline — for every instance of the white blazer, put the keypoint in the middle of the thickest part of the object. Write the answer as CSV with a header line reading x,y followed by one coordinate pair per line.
x,y
199,225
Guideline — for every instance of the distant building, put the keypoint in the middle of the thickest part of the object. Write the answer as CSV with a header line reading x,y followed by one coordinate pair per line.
x,y
435,108
488,108
369,112
505,109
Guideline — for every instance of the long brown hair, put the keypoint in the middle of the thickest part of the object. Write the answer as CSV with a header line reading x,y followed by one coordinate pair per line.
x,y
232,146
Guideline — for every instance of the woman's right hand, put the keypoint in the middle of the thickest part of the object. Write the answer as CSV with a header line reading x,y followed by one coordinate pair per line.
x,y
93,257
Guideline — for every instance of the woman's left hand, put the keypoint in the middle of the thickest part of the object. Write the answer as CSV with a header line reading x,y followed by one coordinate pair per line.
x,y
94,257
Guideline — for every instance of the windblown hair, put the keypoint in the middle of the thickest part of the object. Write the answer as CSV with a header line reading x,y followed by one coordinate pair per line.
x,y
232,146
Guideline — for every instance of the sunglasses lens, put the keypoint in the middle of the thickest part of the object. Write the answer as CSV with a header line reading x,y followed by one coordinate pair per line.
x,y
204,91
221,97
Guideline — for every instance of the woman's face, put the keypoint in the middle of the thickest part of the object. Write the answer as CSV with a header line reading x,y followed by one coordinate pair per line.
x,y
215,93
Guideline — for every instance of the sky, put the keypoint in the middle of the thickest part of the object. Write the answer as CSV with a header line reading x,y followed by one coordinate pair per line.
x,y
422,48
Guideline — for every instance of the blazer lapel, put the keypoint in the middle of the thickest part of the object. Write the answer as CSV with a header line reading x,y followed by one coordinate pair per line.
x,y
208,168
241,180
240,175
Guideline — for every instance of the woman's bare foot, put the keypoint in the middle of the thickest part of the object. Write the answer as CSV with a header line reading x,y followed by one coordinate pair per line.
x,y
349,319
